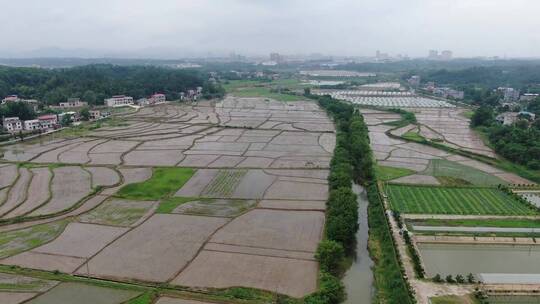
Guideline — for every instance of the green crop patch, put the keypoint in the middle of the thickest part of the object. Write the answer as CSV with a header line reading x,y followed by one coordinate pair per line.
x,y
17,241
164,181
454,200
449,169
385,173
500,223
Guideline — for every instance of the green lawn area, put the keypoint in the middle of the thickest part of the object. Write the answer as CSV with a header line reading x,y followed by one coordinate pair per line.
x,y
169,204
385,173
454,200
446,168
164,181
454,300
413,136
504,223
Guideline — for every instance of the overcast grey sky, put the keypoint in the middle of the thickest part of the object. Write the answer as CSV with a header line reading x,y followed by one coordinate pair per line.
x,y
339,27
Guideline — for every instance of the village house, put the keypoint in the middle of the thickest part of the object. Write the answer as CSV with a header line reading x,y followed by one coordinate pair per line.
x,y
152,100
119,101
49,121
94,114
14,98
32,124
73,103
509,118
12,124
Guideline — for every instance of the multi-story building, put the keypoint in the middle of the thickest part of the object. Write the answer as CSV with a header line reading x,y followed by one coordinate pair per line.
x,y
414,81
32,124
433,54
49,121
157,98
276,57
509,94
528,97
446,55
12,124
73,103
448,92
94,114
119,101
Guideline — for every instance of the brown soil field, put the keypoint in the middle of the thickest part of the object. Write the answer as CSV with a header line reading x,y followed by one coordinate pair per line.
x,y
300,255
295,278
285,230
156,250
38,192
293,205
113,146
71,157
296,191
328,142
317,174
18,192
8,174
81,240
198,160
43,261
105,158
226,162
102,176
153,158
15,297
166,300
69,185
52,156
253,185
196,184
76,293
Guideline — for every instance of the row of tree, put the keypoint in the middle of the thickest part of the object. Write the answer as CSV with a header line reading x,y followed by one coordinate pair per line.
x,y
352,161
94,83
519,142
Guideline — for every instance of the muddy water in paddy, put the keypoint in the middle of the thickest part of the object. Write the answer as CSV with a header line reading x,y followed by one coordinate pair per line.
x,y
359,279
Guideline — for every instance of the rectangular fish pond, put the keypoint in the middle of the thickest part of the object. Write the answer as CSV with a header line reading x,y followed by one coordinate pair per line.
x,y
454,259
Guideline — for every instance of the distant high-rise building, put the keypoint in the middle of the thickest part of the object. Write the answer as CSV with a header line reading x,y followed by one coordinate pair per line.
x,y
433,54
276,57
446,55
381,56
415,81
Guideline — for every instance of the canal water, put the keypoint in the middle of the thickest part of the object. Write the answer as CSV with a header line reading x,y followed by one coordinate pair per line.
x,y
514,300
463,259
358,280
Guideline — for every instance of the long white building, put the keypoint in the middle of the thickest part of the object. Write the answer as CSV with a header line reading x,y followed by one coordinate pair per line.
x,y
119,100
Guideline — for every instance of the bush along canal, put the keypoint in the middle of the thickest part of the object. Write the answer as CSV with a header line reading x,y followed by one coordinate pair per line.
x,y
358,279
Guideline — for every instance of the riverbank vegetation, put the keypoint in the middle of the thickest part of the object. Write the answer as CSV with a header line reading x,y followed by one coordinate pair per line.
x,y
353,160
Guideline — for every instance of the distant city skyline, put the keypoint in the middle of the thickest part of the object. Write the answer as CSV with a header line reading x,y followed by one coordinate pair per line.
x,y
174,29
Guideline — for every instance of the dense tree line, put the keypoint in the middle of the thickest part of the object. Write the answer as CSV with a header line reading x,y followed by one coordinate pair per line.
x,y
519,142
352,160
17,109
492,76
94,83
